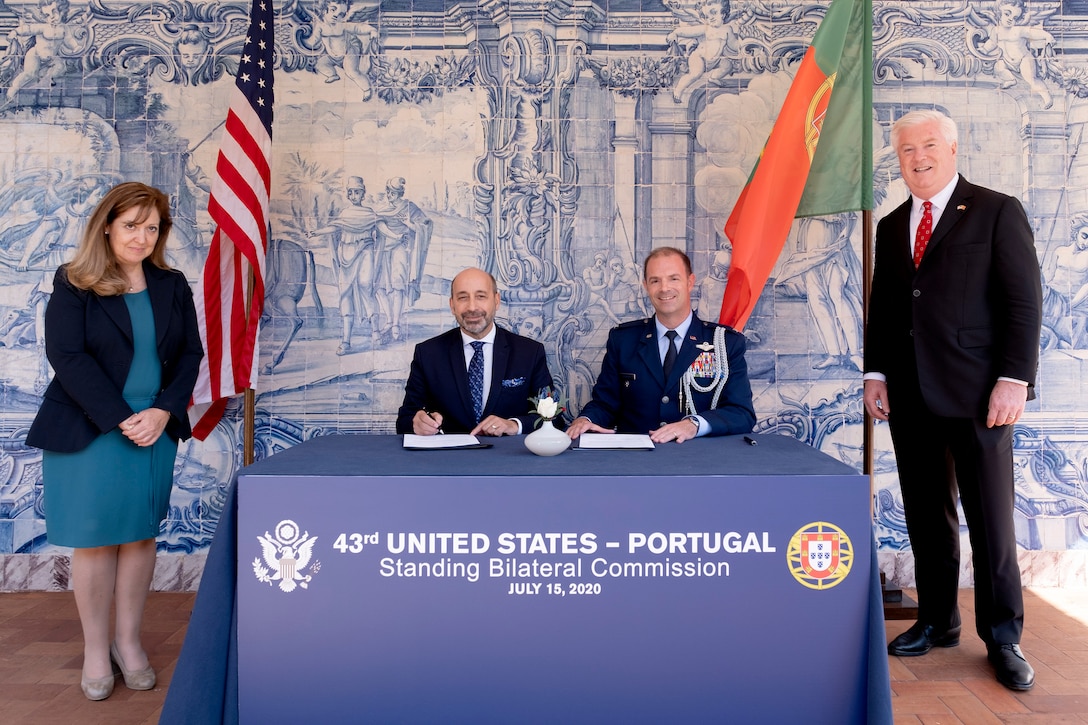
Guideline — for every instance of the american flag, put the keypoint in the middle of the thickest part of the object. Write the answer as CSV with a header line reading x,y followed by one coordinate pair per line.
x,y
239,208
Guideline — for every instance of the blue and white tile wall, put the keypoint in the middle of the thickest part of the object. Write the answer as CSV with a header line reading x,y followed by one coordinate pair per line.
x,y
554,144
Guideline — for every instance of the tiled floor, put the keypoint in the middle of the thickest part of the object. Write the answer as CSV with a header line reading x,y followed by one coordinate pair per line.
x,y
957,685
41,645
41,656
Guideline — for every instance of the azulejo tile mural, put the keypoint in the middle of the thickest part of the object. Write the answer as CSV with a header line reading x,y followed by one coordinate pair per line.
x,y
553,144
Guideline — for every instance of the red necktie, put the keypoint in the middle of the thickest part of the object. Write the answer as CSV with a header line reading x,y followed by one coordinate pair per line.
x,y
925,231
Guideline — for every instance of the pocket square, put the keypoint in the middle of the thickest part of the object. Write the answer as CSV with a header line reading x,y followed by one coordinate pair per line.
x,y
513,382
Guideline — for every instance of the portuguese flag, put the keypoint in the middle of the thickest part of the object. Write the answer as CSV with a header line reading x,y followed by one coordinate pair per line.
x,y
818,159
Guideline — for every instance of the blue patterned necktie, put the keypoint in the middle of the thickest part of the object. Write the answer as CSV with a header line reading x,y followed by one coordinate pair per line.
x,y
670,353
476,379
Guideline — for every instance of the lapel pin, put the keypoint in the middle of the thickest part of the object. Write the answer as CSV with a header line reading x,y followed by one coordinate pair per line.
x,y
961,207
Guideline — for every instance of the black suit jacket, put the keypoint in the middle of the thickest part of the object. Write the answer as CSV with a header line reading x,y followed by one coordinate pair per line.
x,y
632,394
969,314
88,340
438,381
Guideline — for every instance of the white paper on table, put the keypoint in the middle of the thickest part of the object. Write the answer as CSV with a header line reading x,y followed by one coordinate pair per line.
x,y
450,440
606,441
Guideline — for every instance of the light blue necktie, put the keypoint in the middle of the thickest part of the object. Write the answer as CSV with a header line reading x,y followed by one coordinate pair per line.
x,y
476,379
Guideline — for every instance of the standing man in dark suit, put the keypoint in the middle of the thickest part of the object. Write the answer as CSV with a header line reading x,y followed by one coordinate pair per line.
x,y
673,375
509,368
952,348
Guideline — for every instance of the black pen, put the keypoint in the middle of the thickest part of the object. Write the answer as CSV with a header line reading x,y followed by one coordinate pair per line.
x,y
440,431
750,440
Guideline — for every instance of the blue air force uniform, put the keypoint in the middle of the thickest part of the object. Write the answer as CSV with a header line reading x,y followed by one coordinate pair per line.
x,y
709,379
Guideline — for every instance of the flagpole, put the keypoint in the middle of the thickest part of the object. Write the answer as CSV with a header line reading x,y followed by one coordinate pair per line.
x,y
897,605
866,290
248,426
250,395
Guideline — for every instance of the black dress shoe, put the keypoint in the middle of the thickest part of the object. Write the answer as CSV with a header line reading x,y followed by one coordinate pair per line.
x,y
921,638
1012,669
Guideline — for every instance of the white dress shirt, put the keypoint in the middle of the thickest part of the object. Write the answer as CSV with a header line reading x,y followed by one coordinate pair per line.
x,y
662,347
489,355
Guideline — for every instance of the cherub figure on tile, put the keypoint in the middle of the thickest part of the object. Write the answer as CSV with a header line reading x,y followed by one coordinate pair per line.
x,y
704,36
346,44
41,44
1022,47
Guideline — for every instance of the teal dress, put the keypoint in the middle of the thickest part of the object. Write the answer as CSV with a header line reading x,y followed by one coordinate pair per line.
x,y
113,491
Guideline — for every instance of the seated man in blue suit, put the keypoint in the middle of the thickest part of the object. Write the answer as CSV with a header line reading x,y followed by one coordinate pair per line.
x,y
673,375
477,378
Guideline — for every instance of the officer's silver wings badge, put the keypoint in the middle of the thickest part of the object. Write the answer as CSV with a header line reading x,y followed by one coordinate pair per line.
x,y
287,554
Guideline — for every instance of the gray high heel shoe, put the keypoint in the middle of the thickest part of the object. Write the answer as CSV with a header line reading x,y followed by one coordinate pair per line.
x,y
134,679
98,688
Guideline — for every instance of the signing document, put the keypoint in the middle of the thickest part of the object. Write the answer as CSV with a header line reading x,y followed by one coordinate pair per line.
x,y
602,441
450,440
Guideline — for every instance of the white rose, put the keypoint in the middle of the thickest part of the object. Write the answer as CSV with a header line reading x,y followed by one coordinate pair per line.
x,y
547,408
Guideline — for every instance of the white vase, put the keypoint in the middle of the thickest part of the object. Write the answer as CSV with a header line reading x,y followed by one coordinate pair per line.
x,y
547,440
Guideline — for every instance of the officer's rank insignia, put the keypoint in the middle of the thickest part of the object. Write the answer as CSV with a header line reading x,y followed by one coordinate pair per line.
x,y
703,367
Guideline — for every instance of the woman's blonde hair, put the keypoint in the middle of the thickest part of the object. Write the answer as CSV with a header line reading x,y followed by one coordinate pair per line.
x,y
94,266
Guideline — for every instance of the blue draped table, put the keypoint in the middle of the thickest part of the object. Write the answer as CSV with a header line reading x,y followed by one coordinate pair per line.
x,y
205,686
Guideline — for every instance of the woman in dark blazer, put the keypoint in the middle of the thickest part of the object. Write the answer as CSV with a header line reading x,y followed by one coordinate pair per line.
x,y
121,336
